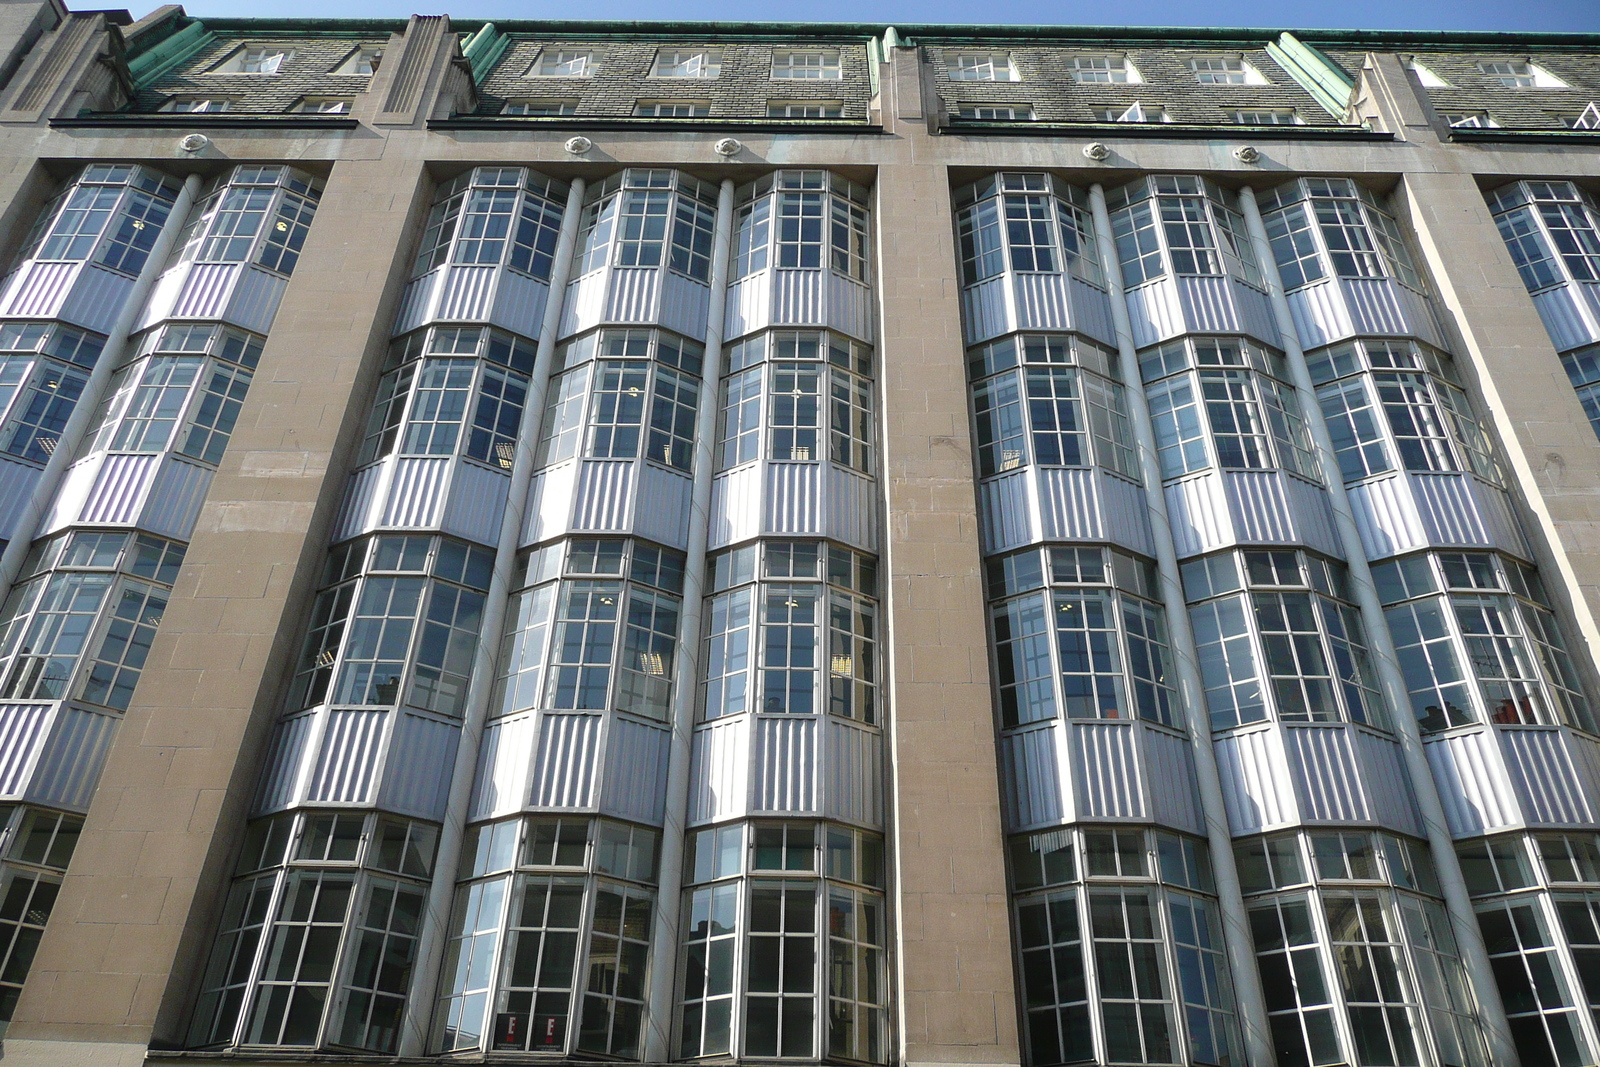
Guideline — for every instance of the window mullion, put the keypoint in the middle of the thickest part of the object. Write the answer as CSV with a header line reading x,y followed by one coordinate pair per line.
x,y
280,880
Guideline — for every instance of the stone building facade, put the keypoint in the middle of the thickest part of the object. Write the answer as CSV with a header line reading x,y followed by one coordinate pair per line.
x,y
879,545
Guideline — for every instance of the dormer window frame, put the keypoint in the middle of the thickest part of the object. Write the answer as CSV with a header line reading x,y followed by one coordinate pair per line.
x,y
981,66
549,61
1530,75
368,56
173,104
1136,112
1253,116
827,68
320,105
1229,68
687,64
1085,69
266,60
974,112
1469,120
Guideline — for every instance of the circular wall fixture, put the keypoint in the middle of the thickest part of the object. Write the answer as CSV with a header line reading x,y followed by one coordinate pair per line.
x,y
1096,151
1246,154
194,142
579,145
727,147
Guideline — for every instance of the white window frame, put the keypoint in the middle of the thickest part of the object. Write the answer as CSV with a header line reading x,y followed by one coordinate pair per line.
x,y
981,67
550,60
1530,76
325,105
703,63
1012,112
796,109
180,105
827,69
1206,74
267,59
1470,120
1085,70
1134,112
562,105
367,56
651,109
1275,115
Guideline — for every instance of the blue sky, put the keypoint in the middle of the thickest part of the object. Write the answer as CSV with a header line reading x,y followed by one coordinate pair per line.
x,y
1505,15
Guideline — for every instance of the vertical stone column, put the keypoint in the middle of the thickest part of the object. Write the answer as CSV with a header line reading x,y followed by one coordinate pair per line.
x,y
1551,456
136,911
956,989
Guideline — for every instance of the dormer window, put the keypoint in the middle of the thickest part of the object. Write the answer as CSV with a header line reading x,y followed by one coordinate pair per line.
x,y
1103,70
703,63
806,64
981,67
542,108
325,105
1277,116
254,59
563,63
672,109
1135,112
1521,74
363,60
804,109
197,105
1471,120
996,112
1226,70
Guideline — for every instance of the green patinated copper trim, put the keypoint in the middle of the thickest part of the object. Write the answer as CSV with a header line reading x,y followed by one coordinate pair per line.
x,y
1316,73
170,52
1176,36
483,50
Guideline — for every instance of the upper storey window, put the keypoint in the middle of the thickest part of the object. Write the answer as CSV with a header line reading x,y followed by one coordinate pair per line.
x,y
1238,391
363,60
1134,112
494,215
325,105
802,219
629,393
254,59
1182,224
981,67
647,218
256,215
197,105
1101,70
112,214
1225,70
1409,390
1470,120
701,63
1282,116
784,401
1049,400
542,106
1552,230
806,64
1316,223
1520,74
1025,222
563,63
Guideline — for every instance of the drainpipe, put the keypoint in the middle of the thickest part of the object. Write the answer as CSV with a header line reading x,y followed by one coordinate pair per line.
x,y
669,896
55,469
1235,923
441,894
1463,921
